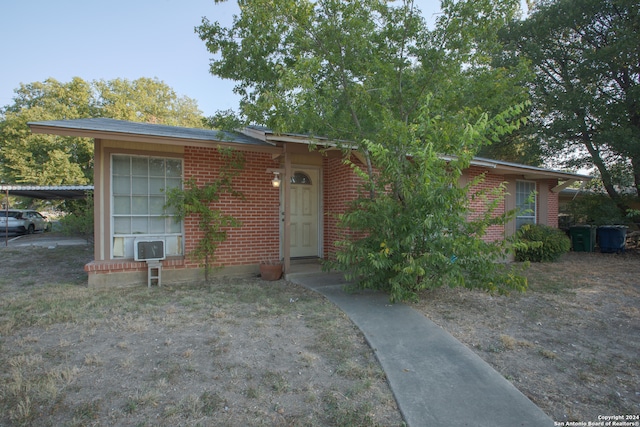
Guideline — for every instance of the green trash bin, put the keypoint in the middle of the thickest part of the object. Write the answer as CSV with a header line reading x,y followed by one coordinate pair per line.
x,y
583,238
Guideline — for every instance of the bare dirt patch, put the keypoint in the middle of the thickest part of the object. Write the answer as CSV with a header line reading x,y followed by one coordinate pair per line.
x,y
235,352
246,352
571,343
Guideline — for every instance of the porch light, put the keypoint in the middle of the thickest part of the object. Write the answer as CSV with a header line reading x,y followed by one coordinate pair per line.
x,y
276,180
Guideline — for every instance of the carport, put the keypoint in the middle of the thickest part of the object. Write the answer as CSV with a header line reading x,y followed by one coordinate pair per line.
x,y
47,192
44,192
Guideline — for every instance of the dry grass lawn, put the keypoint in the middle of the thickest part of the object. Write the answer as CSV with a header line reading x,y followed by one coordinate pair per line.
x,y
254,353
239,352
571,343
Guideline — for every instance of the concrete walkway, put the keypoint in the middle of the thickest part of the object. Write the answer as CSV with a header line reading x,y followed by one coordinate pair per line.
x,y
436,380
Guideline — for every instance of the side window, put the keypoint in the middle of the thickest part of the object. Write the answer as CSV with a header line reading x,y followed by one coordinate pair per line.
x,y
526,198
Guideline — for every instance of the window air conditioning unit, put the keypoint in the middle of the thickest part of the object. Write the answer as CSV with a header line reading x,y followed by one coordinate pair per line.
x,y
148,250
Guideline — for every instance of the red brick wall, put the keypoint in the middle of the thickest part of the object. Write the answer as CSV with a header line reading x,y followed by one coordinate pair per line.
x,y
258,237
495,232
340,186
553,203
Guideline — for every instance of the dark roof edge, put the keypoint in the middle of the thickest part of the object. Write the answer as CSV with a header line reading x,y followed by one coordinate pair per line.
x,y
120,127
570,175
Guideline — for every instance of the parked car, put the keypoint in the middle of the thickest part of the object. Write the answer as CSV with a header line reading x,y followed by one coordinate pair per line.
x,y
17,221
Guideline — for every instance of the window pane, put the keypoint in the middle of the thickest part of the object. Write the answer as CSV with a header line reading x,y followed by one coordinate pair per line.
x,y
173,226
121,165
170,210
156,185
170,245
173,183
300,178
139,225
156,205
524,190
156,225
140,205
122,225
174,168
156,167
140,185
121,205
140,166
121,185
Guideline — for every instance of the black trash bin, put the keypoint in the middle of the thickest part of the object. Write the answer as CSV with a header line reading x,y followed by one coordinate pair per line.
x,y
583,238
612,238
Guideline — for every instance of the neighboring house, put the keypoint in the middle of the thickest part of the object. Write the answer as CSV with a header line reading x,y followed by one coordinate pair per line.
x,y
135,162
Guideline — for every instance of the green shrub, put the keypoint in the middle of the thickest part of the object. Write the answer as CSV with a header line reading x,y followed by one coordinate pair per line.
x,y
79,219
540,243
414,228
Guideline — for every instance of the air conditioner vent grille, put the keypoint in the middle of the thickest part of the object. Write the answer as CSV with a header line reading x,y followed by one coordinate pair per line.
x,y
148,250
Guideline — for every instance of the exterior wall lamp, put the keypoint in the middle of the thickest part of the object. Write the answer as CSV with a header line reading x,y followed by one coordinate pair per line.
x,y
275,182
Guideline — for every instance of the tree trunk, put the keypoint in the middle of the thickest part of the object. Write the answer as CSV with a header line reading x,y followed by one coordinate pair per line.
x,y
607,180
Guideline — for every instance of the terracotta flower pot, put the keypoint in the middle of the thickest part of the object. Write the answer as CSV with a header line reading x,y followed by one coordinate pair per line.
x,y
271,271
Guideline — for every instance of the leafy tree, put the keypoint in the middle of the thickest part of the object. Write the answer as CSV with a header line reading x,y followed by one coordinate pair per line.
x,y
371,73
318,67
586,82
597,209
423,234
146,100
56,160
467,34
46,159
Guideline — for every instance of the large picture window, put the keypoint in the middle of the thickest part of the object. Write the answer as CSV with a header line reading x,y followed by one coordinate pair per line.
x,y
138,198
525,203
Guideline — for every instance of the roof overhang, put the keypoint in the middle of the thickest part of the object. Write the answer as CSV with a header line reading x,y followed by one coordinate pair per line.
x,y
150,133
267,135
48,192
252,138
527,172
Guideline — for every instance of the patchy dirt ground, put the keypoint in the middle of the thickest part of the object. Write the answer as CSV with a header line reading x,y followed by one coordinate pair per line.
x,y
571,343
243,352
238,352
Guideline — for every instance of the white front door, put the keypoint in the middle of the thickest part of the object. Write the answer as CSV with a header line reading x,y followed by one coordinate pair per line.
x,y
304,230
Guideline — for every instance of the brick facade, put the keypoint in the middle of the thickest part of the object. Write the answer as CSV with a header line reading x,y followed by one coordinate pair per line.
x,y
340,186
478,205
258,238
552,202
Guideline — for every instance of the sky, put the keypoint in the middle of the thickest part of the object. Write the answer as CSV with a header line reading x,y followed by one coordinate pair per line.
x,y
129,39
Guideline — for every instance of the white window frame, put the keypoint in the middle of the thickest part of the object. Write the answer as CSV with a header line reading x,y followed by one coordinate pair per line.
x,y
530,216
166,228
